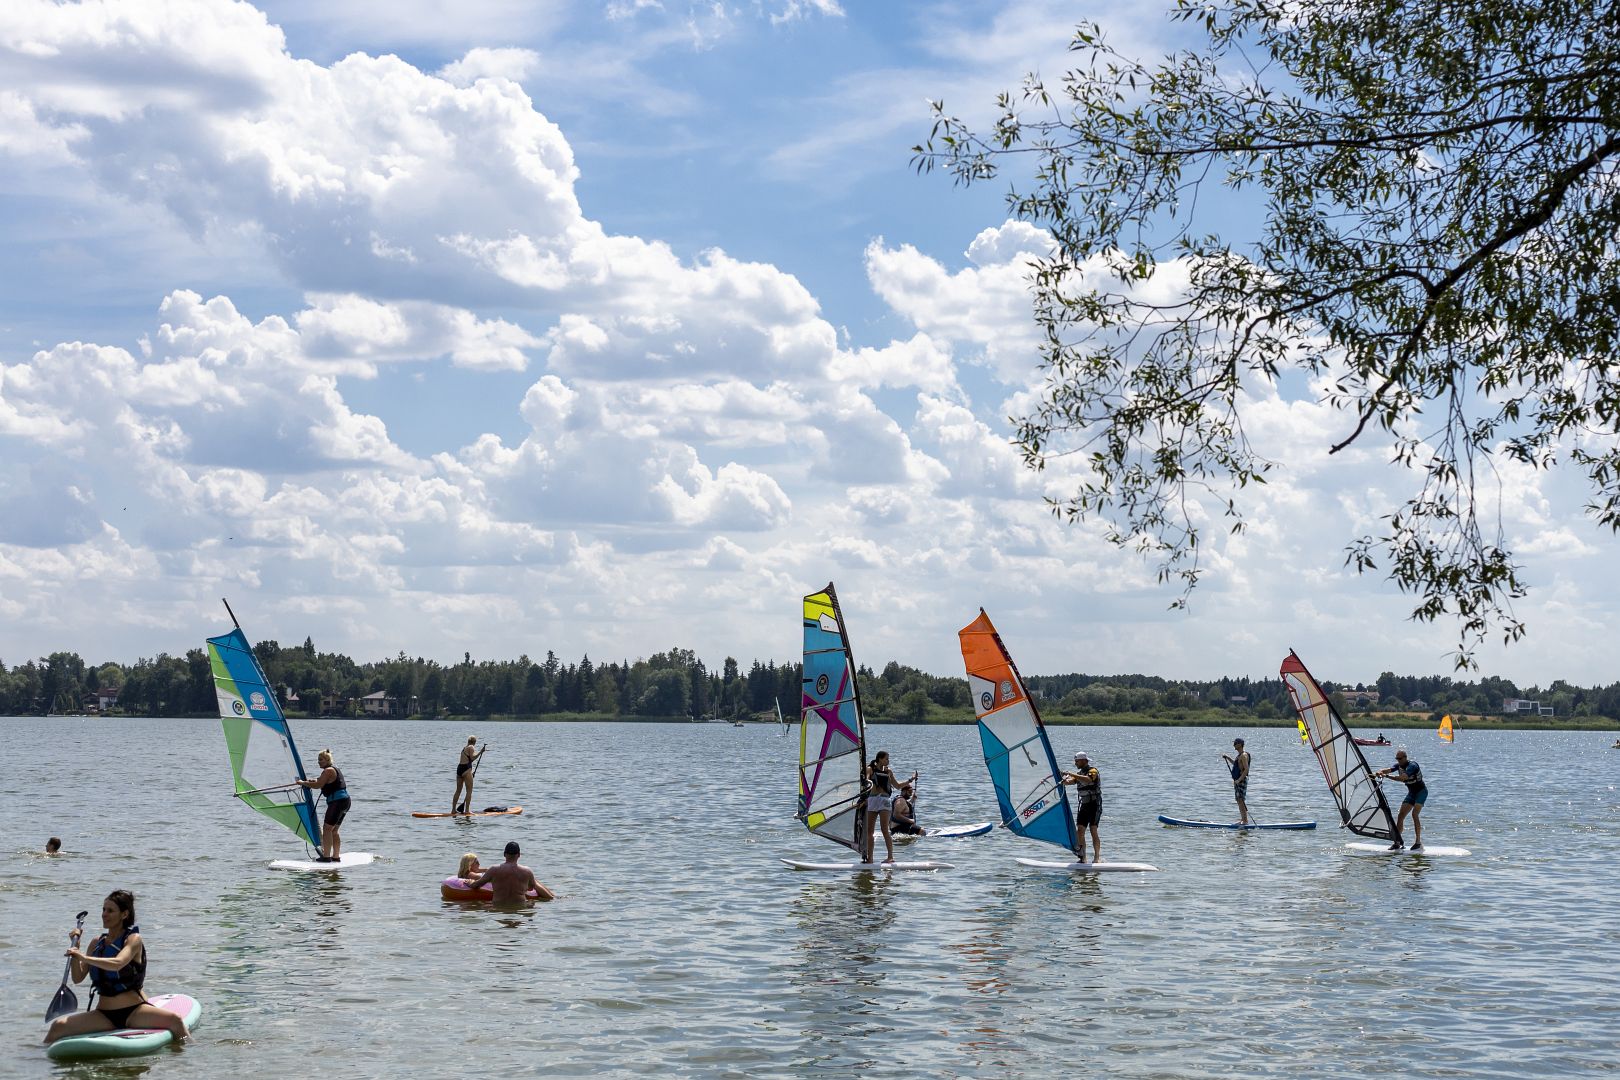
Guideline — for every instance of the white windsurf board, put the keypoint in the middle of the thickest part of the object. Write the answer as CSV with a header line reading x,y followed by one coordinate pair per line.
x,y
1426,849
346,861
1088,867
847,866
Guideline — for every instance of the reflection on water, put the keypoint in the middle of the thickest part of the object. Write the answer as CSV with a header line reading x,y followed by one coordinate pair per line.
x,y
680,946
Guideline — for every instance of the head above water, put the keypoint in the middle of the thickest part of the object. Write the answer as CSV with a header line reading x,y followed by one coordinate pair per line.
x,y
471,739
512,849
53,845
468,861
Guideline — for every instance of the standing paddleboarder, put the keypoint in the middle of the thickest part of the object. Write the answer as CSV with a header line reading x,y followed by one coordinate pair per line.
x,y
1239,765
466,770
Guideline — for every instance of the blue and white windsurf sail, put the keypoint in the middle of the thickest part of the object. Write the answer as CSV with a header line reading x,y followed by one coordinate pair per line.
x,y
264,760
832,735
1029,786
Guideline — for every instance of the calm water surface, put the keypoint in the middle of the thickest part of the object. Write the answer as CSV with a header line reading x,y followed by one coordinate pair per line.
x,y
679,943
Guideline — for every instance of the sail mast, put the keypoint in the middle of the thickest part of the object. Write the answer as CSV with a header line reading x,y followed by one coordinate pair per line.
x,y
1363,809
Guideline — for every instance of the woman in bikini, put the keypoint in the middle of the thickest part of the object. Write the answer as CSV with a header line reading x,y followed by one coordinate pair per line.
x,y
464,776
116,964
880,792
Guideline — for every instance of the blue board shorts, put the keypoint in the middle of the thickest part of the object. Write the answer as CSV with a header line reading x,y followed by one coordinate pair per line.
x,y
1418,797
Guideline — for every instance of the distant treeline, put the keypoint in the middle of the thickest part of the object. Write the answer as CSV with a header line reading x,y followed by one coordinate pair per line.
x,y
677,684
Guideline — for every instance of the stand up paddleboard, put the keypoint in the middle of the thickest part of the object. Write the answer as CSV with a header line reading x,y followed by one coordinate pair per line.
x,y
348,860
1426,849
956,832
488,812
848,866
1089,867
1186,824
126,1042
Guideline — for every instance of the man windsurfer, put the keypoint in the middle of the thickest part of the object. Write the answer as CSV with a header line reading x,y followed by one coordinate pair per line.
x,y
1417,793
1087,783
1240,778
511,882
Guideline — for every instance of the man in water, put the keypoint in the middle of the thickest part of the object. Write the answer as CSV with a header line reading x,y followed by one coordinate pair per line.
x,y
1240,778
511,882
53,845
1087,783
1417,793
903,814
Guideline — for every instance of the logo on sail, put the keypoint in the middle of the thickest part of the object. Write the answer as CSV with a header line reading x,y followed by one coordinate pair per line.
x,y
1007,691
237,707
986,700
821,685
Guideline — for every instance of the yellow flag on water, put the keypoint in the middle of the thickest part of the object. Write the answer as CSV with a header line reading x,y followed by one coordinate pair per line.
x,y
1445,731
1304,737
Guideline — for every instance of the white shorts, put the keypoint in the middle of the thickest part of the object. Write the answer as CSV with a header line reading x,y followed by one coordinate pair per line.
x,y
878,803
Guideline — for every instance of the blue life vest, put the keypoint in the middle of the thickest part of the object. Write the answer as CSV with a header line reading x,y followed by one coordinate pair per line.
x,y
131,976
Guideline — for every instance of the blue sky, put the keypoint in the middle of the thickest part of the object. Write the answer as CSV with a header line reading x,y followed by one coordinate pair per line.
x,y
507,326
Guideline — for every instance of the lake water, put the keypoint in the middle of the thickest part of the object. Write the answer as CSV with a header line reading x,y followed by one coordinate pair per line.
x,y
680,945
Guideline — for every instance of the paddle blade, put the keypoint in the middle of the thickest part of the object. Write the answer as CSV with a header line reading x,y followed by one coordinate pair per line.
x,y
64,1002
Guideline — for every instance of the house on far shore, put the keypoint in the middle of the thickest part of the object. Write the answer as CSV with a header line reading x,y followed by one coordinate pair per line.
x,y
383,703
1514,706
1419,705
99,700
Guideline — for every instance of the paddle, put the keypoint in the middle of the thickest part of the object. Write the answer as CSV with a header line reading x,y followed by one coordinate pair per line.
x,y
66,1000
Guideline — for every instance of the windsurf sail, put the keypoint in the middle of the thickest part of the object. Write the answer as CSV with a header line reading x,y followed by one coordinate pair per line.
x,y
1445,730
264,759
832,735
1362,806
781,721
1017,752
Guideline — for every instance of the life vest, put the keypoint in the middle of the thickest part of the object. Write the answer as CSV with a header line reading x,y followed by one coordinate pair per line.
x,y
132,976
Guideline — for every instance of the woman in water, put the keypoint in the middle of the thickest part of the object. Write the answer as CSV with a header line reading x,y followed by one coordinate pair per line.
x,y
336,795
464,776
468,869
116,964
880,791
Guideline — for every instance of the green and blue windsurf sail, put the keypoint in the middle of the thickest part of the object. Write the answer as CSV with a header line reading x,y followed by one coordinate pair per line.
x,y
832,736
1029,786
264,758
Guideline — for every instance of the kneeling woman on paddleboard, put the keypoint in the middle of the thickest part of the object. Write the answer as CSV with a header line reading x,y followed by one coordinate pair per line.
x,y
336,794
116,964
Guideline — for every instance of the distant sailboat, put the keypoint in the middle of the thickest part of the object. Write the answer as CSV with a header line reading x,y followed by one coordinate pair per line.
x,y
1446,731
781,721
